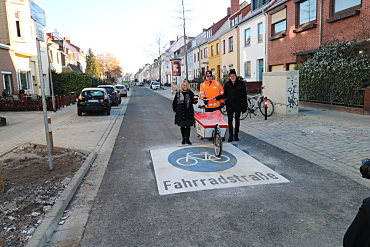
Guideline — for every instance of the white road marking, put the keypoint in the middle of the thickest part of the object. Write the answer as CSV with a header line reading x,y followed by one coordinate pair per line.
x,y
193,168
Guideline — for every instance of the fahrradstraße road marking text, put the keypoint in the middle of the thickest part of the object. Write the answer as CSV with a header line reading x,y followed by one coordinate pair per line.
x,y
193,168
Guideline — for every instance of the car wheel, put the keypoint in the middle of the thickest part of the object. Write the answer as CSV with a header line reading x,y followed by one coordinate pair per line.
x,y
79,112
108,112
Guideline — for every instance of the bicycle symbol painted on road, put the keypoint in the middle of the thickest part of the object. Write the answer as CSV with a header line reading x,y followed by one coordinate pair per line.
x,y
201,159
192,159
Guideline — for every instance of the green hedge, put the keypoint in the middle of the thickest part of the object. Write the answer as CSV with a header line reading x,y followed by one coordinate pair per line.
x,y
335,74
72,81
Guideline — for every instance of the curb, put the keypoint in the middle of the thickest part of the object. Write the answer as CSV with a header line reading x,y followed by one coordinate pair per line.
x,y
46,229
49,227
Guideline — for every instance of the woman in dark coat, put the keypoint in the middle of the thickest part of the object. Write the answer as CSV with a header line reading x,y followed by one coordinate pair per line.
x,y
182,104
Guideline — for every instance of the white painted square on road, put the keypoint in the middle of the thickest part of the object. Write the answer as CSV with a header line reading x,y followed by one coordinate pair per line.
x,y
193,168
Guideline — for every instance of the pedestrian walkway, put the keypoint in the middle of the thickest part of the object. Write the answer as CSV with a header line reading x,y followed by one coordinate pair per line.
x,y
334,140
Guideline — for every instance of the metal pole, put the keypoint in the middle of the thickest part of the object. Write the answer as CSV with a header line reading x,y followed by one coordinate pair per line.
x,y
44,108
265,105
185,45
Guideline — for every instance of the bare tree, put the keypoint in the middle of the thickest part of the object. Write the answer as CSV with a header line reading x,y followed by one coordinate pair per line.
x,y
158,50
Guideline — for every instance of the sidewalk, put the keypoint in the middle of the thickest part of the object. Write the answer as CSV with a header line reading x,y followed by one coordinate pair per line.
x,y
94,134
334,140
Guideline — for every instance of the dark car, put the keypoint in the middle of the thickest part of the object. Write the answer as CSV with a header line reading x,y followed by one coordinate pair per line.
x,y
113,95
93,100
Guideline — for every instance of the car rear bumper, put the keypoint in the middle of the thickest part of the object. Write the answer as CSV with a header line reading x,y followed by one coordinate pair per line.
x,y
93,108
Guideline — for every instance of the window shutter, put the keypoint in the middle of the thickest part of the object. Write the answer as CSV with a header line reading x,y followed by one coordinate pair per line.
x,y
278,16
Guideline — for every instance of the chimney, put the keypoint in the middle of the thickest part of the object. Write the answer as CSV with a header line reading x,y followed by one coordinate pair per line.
x,y
171,42
228,11
234,6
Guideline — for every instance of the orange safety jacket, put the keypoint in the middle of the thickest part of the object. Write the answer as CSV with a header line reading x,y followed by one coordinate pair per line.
x,y
209,90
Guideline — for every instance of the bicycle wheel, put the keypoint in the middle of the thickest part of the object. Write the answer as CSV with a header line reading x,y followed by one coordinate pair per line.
x,y
223,110
244,115
217,142
252,107
270,107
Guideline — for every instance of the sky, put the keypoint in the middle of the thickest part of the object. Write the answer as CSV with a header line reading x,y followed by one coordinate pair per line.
x,y
127,28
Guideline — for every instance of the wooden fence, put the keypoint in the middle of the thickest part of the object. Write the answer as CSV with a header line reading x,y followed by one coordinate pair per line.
x,y
28,104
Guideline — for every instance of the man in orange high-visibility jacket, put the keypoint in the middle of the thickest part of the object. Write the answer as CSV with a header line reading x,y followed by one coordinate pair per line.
x,y
210,89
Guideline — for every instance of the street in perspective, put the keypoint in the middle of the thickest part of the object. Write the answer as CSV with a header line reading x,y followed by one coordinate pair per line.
x,y
185,123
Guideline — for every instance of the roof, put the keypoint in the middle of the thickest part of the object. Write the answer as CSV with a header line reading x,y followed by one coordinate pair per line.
x,y
93,88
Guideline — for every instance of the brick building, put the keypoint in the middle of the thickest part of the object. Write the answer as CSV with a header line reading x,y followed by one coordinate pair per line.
x,y
299,27
8,76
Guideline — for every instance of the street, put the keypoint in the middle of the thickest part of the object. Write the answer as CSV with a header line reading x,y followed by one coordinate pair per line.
x,y
314,208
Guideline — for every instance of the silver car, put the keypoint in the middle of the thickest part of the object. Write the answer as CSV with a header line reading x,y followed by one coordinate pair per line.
x,y
122,90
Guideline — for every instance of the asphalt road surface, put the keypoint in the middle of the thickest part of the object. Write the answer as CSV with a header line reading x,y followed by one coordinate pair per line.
x,y
314,209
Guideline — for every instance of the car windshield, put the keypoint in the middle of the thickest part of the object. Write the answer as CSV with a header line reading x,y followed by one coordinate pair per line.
x,y
92,93
109,89
155,83
120,87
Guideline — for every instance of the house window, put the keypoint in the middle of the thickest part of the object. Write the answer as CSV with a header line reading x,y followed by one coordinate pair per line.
x,y
258,3
218,48
7,82
279,27
205,52
198,56
278,20
340,5
212,54
195,57
223,46
247,69
260,32
247,37
307,11
24,79
231,44
17,24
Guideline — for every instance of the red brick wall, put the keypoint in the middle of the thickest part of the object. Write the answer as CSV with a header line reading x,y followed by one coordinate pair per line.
x,y
355,27
280,51
7,65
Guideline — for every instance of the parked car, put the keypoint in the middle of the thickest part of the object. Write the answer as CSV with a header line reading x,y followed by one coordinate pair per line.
x,y
93,100
154,85
113,95
121,90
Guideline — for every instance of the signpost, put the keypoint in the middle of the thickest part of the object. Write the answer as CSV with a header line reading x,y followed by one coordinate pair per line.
x,y
38,14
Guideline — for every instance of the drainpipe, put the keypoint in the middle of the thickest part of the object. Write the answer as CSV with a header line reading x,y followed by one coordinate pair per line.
x,y
320,23
266,41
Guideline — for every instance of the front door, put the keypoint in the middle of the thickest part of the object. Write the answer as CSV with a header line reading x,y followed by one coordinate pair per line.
x,y
259,69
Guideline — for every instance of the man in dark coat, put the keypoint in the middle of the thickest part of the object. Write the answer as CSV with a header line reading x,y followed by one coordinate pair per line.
x,y
358,234
235,94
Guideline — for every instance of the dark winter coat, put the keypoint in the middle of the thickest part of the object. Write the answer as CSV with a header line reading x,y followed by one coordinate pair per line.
x,y
183,106
236,96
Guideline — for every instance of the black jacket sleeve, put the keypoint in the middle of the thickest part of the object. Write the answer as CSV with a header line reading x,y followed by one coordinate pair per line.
x,y
174,103
223,96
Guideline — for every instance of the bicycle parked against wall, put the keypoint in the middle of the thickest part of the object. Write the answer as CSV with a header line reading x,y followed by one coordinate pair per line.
x,y
255,102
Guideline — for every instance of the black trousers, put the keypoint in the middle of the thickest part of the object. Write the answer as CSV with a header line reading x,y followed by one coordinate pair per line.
x,y
185,133
230,117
